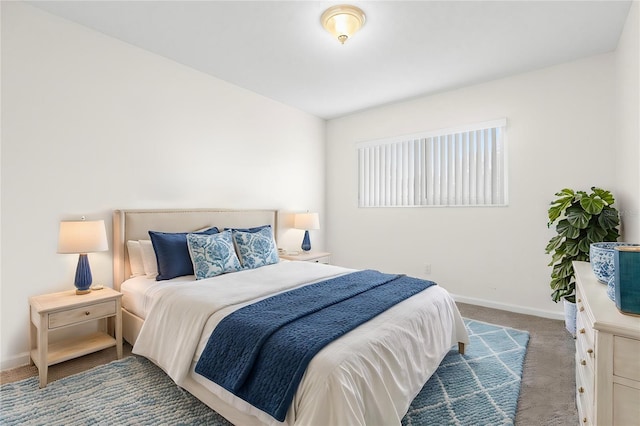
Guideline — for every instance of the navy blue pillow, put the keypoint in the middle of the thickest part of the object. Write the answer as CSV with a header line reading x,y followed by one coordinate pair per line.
x,y
256,229
172,253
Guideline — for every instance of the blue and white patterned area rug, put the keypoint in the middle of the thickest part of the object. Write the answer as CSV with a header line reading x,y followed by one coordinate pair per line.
x,y
480,387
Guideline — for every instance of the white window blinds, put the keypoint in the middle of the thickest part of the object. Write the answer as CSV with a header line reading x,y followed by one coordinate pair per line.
x,y
453,167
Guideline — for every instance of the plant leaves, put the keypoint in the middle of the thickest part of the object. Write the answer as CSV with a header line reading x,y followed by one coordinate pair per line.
x,y
592,204
609,218
584,244
558,206
564,229
606,196
554,243
596,234
557,256
613,235
562,269
577,217
563,288
572,248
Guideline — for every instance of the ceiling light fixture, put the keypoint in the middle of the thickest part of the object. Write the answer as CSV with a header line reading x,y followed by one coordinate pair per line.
x,y
342,21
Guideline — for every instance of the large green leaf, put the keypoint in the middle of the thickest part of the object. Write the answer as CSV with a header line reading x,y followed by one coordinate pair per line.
x,y
563,288
608,218
606,196
557,283
565,229
558,206
612,235
556,257
592,204
596,234
577,217
554,243
562,269
571,247
584,245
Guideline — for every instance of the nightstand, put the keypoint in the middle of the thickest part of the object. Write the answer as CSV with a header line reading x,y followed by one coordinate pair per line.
x,y
310,256
54,311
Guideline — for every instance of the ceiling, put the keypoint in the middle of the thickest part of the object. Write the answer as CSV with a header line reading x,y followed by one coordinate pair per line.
x,y
406,48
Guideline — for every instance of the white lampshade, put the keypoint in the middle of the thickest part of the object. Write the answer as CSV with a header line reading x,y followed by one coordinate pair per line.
x,y
86,236
306,221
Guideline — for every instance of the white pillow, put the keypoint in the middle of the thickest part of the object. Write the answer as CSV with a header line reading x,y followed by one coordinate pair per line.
x,y
148,258
135,258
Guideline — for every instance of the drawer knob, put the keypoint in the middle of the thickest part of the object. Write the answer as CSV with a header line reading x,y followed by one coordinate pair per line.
x,y
581,308
87,313
584,420
582,331
581,389
589,351
579,300
583,362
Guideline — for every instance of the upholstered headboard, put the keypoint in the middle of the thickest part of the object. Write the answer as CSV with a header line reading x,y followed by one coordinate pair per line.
x,y
135,225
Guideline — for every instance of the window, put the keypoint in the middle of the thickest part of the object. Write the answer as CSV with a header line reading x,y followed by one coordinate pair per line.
x,y
453,167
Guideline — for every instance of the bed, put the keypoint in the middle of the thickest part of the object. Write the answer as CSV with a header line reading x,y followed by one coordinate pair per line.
x,y
368,376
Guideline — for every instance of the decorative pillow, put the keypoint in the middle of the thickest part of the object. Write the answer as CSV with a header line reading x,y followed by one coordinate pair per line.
x,y
255,229
172,253
212,254
135,258
256,248
148,258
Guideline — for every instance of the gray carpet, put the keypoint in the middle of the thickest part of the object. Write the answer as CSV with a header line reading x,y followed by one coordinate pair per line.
x,y
547,395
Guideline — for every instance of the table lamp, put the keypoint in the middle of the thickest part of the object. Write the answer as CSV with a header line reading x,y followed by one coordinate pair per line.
x,y
306,221
82,237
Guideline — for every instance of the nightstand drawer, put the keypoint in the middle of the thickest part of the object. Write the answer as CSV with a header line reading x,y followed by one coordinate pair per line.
x,y
85,313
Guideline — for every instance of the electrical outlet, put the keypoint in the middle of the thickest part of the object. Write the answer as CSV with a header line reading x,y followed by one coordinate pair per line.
x,y
427,269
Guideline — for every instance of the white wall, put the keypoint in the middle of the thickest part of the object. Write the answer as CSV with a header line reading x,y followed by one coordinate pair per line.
x,y
560,122
91,124
627,137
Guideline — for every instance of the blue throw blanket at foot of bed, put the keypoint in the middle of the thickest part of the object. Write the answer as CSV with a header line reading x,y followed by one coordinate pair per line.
x,y
261,351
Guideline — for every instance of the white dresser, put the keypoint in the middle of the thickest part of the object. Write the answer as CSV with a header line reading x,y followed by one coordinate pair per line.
x,y
607,356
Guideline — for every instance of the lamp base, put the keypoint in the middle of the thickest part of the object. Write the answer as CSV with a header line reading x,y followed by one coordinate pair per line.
x,y
83,275
306,242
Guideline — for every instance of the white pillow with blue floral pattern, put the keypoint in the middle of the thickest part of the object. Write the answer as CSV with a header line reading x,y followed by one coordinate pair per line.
x,y
212,255
257,248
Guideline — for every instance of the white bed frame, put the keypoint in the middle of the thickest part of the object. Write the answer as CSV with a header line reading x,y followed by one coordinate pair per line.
x,y
136,224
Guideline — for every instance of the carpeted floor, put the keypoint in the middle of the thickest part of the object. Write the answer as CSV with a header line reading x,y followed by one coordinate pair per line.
x,y
547,395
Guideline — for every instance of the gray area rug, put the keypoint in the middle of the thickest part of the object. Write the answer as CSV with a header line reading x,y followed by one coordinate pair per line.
x,y
480,387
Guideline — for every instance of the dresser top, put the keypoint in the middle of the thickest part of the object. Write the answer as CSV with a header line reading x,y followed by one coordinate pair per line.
x,y
603,311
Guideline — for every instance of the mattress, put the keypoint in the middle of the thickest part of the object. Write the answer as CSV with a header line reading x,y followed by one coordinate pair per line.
x,y
138,292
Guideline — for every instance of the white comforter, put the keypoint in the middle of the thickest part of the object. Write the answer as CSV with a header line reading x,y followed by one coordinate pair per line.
x,y
368,376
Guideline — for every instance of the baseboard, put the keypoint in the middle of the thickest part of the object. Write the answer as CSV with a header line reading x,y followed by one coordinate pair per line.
x,y
14,361
511,308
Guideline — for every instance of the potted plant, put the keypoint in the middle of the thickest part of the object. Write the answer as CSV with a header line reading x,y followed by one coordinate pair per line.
x,y
580,219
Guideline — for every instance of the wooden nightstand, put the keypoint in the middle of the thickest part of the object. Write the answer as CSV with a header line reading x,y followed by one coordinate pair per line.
x,y
311,256
66,309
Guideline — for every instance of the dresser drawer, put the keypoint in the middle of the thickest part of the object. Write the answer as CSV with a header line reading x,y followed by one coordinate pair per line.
x,y
626,358
84,313
626,405
585,360
584,334
584,394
